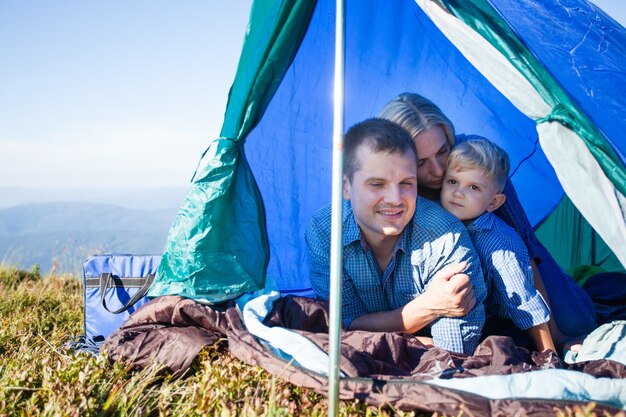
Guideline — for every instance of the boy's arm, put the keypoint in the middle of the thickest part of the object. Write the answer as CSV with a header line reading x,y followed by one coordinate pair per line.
x,y
514,292
560,340
542,338
461,334
538,283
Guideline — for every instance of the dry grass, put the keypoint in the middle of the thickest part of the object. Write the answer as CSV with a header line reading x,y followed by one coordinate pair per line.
x,y
38,377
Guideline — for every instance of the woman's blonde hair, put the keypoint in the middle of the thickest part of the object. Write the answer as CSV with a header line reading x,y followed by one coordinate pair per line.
x,y
417,114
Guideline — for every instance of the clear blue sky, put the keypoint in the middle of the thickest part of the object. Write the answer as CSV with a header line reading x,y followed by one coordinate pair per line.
x,y
113,93
118,93
615,8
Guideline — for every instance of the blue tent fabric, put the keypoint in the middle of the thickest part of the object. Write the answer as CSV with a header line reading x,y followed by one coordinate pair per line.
x,y
389,50
594,46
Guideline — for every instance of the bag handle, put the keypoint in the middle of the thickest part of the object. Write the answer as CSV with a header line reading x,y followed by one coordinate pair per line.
x,y
105,281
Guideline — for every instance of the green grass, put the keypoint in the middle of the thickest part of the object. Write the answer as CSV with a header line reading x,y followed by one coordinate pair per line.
x,y
38,377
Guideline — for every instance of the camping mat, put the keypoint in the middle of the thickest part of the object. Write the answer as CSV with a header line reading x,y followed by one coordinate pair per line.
x,y
379,368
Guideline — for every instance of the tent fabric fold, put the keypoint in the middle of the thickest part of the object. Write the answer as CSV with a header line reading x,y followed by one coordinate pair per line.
x,y
590,178
217,247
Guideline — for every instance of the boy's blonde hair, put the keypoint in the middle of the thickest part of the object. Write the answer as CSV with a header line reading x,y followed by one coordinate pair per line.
x,y
483,155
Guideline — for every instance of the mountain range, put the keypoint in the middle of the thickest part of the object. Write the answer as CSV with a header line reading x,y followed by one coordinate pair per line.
x,y
40,228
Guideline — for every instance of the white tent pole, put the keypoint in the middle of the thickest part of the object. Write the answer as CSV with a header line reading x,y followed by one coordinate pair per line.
x,y
336,241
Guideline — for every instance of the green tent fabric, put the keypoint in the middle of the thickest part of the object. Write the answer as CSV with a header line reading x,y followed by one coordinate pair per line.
x,y
217,247
572,242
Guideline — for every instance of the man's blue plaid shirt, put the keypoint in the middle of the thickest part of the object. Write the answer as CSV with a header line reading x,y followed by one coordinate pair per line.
x,y
432,240
508,274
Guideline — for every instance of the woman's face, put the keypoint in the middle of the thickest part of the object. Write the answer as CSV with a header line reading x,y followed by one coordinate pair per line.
x,y
433,150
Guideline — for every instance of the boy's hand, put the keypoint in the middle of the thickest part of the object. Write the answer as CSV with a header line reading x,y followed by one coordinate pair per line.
x,y
450,294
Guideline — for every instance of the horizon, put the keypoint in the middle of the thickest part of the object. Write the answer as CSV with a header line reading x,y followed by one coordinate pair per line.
x,y
136,198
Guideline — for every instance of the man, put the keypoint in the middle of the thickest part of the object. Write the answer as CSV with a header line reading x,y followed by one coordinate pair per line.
x,y
403,256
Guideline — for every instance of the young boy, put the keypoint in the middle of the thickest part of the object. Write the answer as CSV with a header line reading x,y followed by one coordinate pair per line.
x,y
476,172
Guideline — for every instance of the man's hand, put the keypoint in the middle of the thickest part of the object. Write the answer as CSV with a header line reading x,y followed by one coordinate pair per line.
x,y
449,294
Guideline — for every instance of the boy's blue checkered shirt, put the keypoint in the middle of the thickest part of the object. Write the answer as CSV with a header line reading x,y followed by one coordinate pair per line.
x,y
432,240
508,274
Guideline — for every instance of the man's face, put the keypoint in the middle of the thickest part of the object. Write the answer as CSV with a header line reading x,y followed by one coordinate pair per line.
x,y
467,194
383,193
433,150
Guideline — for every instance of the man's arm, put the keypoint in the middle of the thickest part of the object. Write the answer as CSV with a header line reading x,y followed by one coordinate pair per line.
x,y
449,294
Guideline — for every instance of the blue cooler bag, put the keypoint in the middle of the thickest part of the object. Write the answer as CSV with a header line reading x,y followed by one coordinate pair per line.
x,y
114,286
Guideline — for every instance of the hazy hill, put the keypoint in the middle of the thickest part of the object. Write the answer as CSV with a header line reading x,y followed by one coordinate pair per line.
x,y
64,234
138,198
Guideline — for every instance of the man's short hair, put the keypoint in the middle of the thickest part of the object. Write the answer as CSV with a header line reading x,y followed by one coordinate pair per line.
x,y
379,135
481,154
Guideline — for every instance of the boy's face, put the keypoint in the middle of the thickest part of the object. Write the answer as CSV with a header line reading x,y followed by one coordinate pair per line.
x,y
467,194
383,193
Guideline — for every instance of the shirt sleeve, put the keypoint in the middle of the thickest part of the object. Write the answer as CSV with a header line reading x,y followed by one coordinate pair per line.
x,y
318,248
461,334
513,288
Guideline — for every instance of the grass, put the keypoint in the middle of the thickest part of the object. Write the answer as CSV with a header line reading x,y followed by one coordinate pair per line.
x,y
39,377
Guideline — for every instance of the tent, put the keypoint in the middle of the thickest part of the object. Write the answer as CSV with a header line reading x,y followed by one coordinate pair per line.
x,y
554,102
544,79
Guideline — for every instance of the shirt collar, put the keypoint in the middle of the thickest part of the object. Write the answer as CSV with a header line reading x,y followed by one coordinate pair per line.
x,y
404,240
351,231
483,222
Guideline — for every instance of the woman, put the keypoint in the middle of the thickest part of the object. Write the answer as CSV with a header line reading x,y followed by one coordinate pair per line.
x,y
572,310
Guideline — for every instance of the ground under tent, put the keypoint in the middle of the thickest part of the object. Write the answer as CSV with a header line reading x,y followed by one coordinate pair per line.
x,y
555,103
